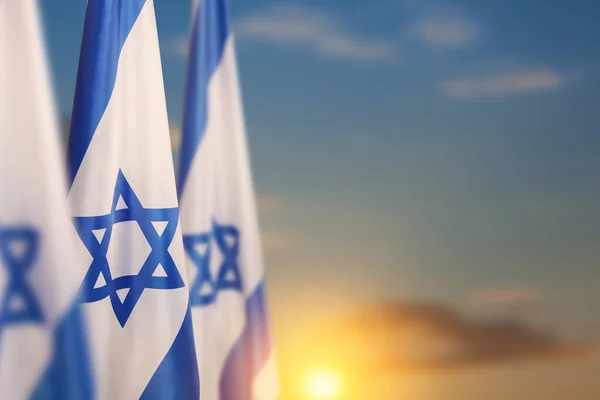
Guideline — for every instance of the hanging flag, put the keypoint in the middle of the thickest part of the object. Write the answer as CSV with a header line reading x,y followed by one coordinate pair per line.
x,y
42,347
219,222
135,293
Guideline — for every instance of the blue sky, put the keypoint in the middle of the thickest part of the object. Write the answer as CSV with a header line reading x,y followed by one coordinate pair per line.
x,y
446,146
402,149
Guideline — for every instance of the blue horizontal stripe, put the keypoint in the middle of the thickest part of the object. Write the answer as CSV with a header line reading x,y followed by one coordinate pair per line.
x,y
250,353
107,25
209,35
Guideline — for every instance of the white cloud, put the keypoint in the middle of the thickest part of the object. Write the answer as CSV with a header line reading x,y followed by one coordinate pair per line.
x,y
313,30
445,31
505,84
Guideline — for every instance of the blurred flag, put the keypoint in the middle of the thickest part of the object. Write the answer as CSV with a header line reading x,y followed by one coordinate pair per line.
x,y
42,352
219,222
123,195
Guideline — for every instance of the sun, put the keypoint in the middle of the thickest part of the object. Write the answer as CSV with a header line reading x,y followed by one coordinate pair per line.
x,y
323,384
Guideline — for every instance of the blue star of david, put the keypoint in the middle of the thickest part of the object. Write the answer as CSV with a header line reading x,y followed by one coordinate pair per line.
x,y
27,310
228,277
131,210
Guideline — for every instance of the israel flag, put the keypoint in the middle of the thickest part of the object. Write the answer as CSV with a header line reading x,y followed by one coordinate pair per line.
x,y
219,222
42,348
135,293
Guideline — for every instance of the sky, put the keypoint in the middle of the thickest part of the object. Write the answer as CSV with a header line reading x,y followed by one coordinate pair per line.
x,y
434,163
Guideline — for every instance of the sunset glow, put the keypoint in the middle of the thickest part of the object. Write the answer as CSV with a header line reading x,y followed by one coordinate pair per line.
x,y
323,385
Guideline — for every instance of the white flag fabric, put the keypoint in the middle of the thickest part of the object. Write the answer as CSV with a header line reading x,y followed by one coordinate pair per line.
x,y
42,347
123,196
219,222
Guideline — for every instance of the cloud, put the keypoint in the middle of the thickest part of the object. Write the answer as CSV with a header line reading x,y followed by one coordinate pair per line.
x,y
175,133
316,31
505,84
445,31
509,296
268,204
269,207
180,45
297,26
428,337
276,241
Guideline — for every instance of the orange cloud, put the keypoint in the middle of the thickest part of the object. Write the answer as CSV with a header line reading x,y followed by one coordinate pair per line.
x,y
509,296
404,338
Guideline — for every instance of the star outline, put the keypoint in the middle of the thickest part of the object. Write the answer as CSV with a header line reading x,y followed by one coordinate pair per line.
x,y
229,264
159,254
